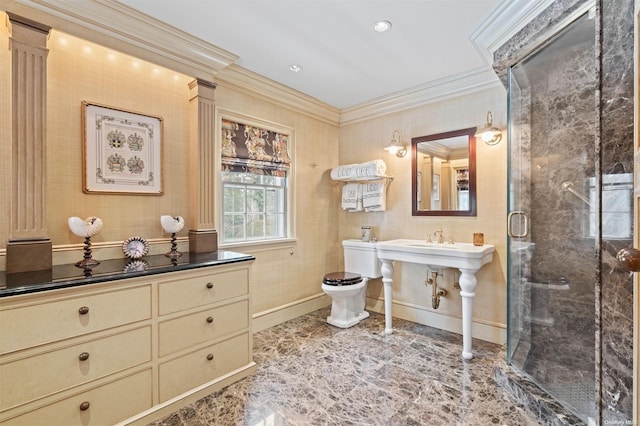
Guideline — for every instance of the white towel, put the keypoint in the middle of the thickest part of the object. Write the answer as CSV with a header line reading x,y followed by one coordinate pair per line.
x,y
343,173
374,196
372,169
352,197
362,171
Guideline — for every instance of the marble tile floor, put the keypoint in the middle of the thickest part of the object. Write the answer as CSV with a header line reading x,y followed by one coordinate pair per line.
x,y
311,373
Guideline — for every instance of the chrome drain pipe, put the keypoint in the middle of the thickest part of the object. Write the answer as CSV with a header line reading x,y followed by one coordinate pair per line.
x,y
436,293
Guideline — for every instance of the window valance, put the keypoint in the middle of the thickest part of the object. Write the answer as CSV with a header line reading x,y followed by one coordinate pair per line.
x,y
251,149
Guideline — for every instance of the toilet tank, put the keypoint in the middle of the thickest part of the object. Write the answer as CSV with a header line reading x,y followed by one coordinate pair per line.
x,y
361,258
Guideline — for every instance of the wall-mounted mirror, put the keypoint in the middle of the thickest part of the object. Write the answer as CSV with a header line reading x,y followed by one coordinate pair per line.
x,y
443,174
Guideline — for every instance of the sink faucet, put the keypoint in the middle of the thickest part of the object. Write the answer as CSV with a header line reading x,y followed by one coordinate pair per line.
x,y
440,235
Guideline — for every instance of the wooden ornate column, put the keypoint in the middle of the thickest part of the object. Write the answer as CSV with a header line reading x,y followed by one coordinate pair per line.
x,y
29,247
202,235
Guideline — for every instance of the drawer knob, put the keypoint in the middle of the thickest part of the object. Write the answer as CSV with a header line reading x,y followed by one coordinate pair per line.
x,y
83,356
210,357
209,285
83,310
84,406
209,320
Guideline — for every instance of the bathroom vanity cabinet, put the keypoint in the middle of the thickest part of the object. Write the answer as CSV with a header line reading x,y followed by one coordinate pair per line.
x,y
121,346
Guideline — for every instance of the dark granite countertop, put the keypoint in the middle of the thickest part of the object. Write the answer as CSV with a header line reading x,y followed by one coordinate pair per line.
x,y
63,276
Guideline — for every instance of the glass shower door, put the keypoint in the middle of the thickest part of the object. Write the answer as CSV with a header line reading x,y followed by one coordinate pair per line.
x,y
520,246
551,285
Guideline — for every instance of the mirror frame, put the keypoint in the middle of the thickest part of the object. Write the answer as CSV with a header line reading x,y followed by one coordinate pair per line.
x,y
471,131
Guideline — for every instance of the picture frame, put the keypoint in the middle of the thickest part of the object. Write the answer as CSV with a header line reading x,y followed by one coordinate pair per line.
x,y
435,188
122,151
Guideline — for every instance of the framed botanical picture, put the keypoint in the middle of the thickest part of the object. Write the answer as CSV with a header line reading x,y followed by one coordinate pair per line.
x,y
122,151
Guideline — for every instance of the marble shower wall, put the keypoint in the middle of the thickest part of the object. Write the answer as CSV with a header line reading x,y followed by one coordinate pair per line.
x,y
616,145
562,117
611,301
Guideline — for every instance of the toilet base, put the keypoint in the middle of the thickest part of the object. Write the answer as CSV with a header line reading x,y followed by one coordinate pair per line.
x,y
342,323
347,307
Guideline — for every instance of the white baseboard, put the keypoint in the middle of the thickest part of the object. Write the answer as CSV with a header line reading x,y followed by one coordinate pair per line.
x,y
483,330
269,318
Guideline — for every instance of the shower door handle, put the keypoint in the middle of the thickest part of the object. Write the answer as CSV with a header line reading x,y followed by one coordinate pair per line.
x,y
629,259
525,224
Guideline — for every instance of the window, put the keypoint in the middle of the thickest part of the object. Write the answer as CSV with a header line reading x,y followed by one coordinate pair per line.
x,y
254,207
255,174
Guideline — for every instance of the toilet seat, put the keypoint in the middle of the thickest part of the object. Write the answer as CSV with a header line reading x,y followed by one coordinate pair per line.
x,y
342,279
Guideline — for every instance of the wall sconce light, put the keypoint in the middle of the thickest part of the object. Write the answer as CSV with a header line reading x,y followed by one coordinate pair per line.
x,y
490,135
395,146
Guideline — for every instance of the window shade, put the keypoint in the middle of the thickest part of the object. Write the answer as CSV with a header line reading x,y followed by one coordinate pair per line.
x,y
251,149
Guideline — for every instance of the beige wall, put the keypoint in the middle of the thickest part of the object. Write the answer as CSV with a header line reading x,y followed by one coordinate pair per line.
x,y
82,71
364,141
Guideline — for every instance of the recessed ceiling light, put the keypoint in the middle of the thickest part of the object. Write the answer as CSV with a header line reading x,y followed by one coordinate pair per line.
x,y
295,68
382,26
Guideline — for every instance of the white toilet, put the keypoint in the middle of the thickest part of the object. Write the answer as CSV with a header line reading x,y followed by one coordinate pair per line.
x,y
348,289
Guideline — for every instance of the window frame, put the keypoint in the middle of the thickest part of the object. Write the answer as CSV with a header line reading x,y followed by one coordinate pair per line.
x,y
289,202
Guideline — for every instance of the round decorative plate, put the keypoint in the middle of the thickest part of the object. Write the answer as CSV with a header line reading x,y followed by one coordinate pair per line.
x,y
135,247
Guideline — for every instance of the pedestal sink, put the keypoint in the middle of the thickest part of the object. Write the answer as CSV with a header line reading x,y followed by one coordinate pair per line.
x,y
463,256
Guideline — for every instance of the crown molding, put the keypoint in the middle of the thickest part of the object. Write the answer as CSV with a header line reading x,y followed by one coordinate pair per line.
x,y
127,30
242,80
437,90
509,17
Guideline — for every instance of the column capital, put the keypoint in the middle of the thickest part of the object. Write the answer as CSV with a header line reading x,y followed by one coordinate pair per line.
x,y
203,90
26,22
28,32
202,83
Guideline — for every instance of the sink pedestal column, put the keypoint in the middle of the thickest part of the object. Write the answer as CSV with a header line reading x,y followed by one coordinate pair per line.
x,y
468,285
387,281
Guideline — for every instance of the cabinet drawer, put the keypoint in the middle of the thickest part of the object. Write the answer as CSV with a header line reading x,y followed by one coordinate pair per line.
x,y
108,404
180,294
187,372
189,330
29,326
53,371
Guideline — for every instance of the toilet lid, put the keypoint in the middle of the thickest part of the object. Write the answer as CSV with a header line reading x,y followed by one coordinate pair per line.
x,y
342,278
